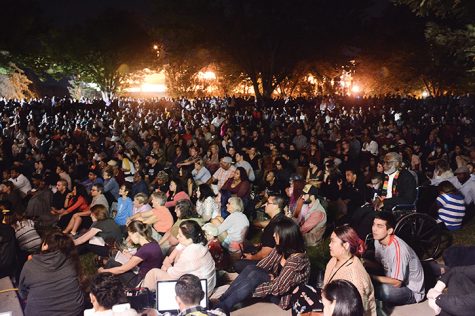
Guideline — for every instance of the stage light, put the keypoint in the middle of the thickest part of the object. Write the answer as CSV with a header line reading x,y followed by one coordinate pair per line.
x,y
355,89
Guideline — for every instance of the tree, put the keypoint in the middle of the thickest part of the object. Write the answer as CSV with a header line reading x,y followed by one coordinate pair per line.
x,y
103,50
450,33
14,84
266,40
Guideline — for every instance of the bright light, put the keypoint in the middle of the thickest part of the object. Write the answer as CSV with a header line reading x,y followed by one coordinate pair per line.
x,y
311,79
355,89
153,87
425,94
207,75
155,47
152,82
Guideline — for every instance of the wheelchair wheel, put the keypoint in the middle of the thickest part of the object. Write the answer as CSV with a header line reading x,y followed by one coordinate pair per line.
x,y
422,233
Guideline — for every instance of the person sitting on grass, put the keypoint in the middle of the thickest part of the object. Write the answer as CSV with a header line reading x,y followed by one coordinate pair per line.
x,y
148,256
190,256
83,219
402,280
159,216
451,206
103,227
276,275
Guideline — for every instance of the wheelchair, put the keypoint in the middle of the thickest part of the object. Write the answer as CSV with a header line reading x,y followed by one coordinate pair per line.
x,y
419,230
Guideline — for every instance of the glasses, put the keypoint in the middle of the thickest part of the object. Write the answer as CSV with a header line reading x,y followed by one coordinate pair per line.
x,y
389,162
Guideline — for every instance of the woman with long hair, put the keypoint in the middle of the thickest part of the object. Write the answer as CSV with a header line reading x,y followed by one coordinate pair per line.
x,y
148,256
275,276
206,205
345,249
102,227
190,256
341,298
176,192
50,281
238,185
295,192
184,210
75,202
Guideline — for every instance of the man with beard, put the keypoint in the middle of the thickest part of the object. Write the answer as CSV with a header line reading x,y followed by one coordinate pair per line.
x,y
399,187
312,217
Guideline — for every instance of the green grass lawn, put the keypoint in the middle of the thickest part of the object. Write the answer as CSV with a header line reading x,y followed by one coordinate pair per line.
x,y
465,236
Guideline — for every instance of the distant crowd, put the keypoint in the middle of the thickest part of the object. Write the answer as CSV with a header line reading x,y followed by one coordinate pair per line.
x,y
178,189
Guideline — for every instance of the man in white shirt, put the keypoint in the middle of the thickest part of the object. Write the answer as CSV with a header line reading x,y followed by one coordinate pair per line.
x,y
462,181
20,181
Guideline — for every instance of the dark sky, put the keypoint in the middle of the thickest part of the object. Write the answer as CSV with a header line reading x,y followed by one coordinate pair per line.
x,y
72,12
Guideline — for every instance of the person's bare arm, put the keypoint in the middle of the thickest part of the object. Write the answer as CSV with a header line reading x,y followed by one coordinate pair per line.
x,y
387,280
261,254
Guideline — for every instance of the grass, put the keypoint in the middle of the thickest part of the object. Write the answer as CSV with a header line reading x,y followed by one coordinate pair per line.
x,y
465,236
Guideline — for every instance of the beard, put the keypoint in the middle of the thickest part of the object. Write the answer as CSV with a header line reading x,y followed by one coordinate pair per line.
x,y
390,171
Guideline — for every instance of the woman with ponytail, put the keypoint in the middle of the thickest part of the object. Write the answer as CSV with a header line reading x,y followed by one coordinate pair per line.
x,y
190,256
50,281
345,249
148,256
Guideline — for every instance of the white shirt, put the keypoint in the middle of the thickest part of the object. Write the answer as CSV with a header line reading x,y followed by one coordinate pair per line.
x,y
389,192
22,184
467,189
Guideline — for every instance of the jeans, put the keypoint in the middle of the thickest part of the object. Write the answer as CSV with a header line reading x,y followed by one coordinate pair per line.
x,y
243,287
240,265
394,295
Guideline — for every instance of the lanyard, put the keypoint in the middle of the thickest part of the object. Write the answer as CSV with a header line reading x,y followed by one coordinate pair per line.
x,y
333,275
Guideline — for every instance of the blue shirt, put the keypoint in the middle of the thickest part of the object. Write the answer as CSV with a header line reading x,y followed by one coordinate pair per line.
x,y
124,210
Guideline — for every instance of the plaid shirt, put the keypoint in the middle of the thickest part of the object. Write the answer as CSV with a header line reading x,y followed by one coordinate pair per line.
x,y
296,271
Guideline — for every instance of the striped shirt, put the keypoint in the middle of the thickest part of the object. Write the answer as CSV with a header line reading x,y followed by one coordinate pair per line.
x,y
26,235
451,210
296,271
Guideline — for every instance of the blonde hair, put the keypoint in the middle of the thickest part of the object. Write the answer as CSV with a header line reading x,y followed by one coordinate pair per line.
x,y
141,198
237,202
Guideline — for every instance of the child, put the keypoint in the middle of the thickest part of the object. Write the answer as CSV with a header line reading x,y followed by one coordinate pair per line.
x,y
124,208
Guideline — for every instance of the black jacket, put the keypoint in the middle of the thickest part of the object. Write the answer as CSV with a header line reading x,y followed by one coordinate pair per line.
x,y
460,298
405,190
50,283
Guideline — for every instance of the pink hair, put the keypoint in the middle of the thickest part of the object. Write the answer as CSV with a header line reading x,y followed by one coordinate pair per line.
x,y
349,235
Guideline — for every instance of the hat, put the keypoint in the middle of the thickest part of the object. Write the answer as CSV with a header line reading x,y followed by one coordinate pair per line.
x,y
162,175
462,169
210,229
112,163
227,159
310,189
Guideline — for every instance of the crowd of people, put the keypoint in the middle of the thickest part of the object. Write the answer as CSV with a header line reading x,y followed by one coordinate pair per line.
x,y
177,189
